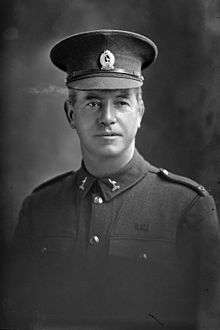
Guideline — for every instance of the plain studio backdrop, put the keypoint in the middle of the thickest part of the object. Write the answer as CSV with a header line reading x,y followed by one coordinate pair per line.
x,y
180,130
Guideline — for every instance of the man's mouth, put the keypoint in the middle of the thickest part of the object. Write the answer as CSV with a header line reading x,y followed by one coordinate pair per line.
x,y
107,134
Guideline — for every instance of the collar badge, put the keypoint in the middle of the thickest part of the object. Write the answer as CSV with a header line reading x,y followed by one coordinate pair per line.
x,y
114,185
107,60
82,186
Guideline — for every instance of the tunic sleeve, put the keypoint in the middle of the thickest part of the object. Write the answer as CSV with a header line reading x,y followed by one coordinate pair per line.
x,y
19,275
203,223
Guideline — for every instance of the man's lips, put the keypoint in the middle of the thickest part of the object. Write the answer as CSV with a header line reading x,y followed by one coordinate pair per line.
x,y
105,134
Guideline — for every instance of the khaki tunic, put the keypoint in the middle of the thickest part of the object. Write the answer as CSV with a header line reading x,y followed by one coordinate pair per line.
x,y
137,250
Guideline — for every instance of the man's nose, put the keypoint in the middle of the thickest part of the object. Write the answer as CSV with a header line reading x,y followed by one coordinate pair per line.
x,y
107,114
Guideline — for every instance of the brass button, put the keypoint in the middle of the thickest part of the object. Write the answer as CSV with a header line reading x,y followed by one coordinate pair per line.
x,y
143,256
165,172
98,200
43,250
201,188
94,240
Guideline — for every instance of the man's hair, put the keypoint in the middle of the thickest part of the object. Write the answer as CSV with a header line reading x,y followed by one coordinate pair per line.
x,y
138,94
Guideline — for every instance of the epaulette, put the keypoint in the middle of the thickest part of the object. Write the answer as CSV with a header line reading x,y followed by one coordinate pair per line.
x,y
182,180
52,181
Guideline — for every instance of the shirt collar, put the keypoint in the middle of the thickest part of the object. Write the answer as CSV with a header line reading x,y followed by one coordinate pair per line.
x,y
116,183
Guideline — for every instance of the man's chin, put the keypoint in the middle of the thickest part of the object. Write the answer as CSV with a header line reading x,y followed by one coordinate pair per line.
x,y
108,151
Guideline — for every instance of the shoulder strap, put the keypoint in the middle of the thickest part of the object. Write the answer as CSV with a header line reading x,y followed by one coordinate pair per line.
x,y
174,178
182,180
53,180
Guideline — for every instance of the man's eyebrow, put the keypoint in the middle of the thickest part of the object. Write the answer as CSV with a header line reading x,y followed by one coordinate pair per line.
x,y
92,96
121,93
125,94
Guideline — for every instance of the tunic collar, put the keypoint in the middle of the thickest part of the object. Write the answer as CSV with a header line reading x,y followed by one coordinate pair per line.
x,y
115,183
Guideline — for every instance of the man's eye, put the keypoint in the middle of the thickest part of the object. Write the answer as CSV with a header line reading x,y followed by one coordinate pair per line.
x,y
93,105
123,103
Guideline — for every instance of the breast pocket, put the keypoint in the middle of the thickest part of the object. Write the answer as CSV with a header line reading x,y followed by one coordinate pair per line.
x,y
53,254
151,252
54,260
54,245
137,271
55,269
152,263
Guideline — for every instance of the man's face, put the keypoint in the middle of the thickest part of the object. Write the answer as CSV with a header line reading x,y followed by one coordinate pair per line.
x,y
106,121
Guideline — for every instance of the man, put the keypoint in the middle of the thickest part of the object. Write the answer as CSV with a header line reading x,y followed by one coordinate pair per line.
x,y
119,244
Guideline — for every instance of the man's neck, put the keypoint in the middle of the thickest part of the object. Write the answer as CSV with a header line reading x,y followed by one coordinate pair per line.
x,y
104,166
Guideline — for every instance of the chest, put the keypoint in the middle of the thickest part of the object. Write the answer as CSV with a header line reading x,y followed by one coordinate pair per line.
x,y
137,224
122,250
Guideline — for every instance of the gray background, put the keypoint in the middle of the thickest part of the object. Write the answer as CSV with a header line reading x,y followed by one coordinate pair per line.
x,y
180,131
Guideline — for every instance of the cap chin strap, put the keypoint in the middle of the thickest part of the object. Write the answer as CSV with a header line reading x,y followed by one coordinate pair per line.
x,y
120,73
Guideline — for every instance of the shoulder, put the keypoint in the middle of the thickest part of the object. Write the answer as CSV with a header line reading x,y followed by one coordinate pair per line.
x,y
48,194
52,182
193,201
174,179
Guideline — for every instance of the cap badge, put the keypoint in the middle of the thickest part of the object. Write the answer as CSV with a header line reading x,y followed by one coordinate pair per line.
x,y
107,60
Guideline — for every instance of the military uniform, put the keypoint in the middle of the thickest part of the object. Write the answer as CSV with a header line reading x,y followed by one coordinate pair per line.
x,y
138,249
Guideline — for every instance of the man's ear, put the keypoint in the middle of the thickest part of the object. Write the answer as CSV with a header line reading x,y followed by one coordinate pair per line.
x,y
141,110
70,113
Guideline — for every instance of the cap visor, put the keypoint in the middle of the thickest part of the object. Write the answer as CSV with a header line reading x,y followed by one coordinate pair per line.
x,y
104,83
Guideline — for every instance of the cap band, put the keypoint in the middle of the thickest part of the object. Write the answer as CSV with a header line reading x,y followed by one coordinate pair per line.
x,y
110,73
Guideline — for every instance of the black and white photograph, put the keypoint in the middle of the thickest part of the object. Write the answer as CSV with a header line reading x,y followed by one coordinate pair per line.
x,y
110,165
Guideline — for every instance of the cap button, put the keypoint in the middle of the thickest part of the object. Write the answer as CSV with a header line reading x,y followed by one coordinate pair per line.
x,y
165,172
202,189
